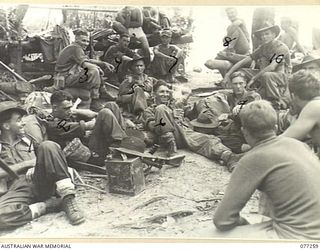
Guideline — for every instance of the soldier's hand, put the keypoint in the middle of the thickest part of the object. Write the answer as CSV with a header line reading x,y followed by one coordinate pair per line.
x,y
236,110
130,124
223,117
225,81
29,175
109,67
250,83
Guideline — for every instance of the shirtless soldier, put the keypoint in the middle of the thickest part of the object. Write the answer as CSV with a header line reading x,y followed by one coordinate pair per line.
x,y
304,87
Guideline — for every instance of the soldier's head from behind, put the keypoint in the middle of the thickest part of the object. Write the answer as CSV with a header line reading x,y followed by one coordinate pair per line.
x,y
11,121
259,121
82,38
304,85
238,83
61,102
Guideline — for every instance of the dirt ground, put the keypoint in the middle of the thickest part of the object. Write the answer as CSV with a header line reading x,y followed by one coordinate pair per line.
x,y
176,203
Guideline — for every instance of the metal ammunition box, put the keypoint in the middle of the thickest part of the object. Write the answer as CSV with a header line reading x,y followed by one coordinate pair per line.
x,y
125,176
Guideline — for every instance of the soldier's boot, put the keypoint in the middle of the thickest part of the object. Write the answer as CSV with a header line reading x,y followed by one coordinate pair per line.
x,y
72,211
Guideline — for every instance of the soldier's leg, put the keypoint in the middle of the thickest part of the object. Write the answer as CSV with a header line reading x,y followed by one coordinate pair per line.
x,y
51,175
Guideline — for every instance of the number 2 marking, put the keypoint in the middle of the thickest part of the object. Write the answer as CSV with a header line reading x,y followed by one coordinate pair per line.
x,y
118,62
84,77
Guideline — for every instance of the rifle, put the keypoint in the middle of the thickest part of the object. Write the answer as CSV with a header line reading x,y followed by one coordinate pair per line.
x,y
12,72
153,160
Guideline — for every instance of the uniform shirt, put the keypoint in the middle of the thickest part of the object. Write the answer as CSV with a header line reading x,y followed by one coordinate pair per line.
x,y
144,81
21,150
148,114
115,51
170,50
70,56
288,173
248,96
263,54
73,128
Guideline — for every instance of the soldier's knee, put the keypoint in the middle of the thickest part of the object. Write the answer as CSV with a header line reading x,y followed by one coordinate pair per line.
x,y
49,145
105,112
112,105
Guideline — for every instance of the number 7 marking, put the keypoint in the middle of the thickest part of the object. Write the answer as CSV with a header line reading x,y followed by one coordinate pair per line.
x,y
174,63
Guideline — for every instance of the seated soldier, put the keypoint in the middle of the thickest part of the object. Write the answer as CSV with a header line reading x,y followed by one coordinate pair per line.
x,y
130,20
304,87
229,128
151,22
167,58
119,55
273,60
290,37
237,48
166,121
81,72
286,118
136,89
285,170
106,127
32,195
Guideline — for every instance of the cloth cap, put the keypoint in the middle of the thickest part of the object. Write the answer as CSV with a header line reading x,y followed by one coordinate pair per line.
x,y
167,33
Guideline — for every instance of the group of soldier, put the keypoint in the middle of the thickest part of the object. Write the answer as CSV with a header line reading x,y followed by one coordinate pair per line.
x,y
257,125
